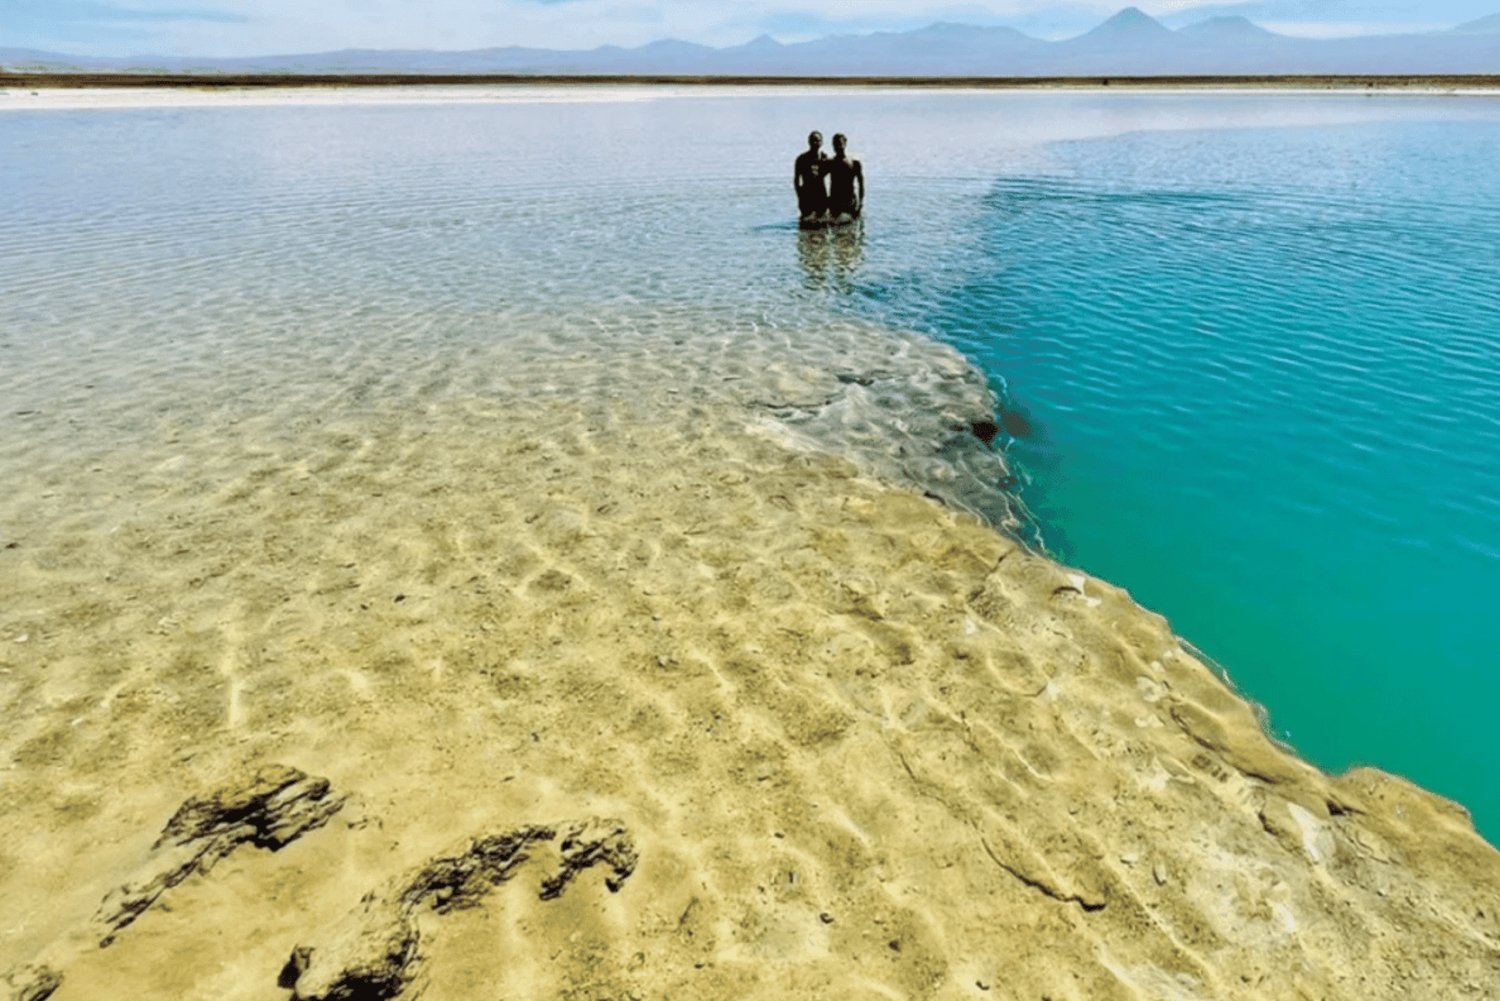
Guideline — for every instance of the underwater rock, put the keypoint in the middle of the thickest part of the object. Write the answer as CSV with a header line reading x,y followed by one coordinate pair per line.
x,y
33,983
269,809
372,954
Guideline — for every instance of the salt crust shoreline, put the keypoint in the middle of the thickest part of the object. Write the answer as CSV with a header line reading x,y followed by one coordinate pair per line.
x,y
75,99
780,726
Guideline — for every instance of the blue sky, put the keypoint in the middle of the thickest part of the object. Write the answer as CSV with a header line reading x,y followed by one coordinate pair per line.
x,y
251,27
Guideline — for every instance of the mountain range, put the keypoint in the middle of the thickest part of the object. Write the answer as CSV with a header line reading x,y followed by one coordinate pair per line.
x,y
1130,43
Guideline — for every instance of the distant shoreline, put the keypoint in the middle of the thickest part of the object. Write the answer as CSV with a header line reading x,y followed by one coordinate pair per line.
x,y
172,81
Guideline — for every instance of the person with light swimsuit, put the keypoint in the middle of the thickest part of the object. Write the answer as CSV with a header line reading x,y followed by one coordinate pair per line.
x,y
846,182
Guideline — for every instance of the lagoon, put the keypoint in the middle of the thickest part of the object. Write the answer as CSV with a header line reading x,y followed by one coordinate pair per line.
x,y
1247,343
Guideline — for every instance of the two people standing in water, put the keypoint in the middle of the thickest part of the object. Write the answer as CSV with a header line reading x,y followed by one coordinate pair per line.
x,y
830,189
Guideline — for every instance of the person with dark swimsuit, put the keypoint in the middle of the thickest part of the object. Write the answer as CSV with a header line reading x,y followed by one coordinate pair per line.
x,y
845,174
808,182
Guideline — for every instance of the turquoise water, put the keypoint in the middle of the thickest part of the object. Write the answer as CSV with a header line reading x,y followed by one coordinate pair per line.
x,y
1249,344
1261,374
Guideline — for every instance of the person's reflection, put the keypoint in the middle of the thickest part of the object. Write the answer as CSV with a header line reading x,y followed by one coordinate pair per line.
x,y
831,255
813,254
848,251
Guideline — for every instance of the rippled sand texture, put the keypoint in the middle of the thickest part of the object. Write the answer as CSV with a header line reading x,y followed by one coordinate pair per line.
x,y
851,743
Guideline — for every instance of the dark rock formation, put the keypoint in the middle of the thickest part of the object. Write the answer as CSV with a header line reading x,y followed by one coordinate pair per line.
x,y
372,954
269,810
33,983
588,843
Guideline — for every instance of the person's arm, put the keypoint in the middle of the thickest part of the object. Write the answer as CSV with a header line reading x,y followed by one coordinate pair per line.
x,y
797,175
859,177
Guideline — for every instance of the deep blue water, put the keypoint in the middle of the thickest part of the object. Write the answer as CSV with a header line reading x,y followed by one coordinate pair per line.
x,y
1257,374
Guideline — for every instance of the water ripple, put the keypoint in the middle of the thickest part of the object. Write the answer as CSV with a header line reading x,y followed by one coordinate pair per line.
x,y
1258,368
1263,350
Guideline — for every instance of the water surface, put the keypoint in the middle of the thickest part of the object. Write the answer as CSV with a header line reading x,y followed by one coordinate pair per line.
x,y
1251,337
1262,372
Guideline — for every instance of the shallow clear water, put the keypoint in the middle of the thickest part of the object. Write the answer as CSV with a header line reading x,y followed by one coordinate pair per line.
x,y
1253,337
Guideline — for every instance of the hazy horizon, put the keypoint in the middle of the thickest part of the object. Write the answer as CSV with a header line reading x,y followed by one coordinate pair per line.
x,y
241,28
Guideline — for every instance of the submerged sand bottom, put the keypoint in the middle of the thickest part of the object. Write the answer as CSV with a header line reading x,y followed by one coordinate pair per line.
x,y
860,744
